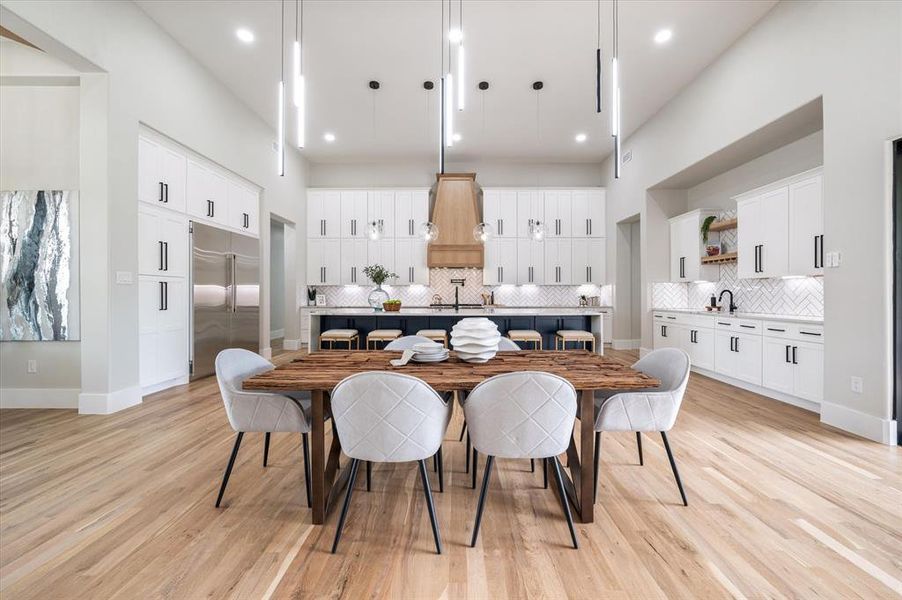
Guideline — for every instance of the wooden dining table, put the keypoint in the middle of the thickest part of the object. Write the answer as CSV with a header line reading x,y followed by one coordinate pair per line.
x,y
320,372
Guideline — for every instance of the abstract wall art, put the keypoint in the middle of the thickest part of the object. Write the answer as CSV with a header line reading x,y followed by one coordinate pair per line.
x,y
39,265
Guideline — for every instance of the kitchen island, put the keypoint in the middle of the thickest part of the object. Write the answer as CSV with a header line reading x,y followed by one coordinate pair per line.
x,y
545,320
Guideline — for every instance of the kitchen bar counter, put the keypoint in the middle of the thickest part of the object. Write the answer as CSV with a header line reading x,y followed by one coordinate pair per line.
x,y
546,320
745,315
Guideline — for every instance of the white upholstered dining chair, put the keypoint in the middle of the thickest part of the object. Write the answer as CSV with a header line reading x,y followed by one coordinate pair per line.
x,y
407,342
522,415
648,410
389,417
504,345
259,411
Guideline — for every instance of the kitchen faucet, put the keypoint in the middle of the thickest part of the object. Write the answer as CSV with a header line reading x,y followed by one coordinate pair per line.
x,y
457,285
720,298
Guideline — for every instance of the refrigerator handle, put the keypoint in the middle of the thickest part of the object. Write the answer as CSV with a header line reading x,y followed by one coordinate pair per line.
x,y
233,275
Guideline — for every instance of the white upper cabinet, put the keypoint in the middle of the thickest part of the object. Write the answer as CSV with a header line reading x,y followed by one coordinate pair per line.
x,y
411,211
500,261
781,228
207,193
588,261
323,214
353,260
530,262
162,243
806,226
530,208
380,208
161,175
500,212
588,213
558,261
410,262
558,213
381,252
324,261
686,248
353,213
244,209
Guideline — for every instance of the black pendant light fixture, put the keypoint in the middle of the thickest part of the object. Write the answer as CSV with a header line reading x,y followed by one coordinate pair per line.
x,y
598,56
281,119
615,92
299,87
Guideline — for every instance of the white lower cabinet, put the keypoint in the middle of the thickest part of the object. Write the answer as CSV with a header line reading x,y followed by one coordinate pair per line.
x,y
794,360
698,342
163,329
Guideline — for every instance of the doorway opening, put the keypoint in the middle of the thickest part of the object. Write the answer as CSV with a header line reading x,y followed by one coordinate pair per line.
x,y
628,335
276,285
897,287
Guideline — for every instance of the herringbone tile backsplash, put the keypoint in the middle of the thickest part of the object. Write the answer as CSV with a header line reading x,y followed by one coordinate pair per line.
x,y
797,297
440,283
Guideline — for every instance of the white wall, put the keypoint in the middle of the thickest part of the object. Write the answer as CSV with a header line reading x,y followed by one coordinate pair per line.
x,y
146,77
39,141
801,155
849,53
276,276
422,173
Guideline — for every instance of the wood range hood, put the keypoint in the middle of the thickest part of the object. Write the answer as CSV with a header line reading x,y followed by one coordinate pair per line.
x,y
456,212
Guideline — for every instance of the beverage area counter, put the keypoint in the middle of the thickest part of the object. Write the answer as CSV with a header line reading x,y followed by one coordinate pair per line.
x,y
545,320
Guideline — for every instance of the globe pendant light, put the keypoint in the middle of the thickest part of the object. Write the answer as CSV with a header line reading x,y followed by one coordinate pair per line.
x,y
483,232
375,230
537,230
429,232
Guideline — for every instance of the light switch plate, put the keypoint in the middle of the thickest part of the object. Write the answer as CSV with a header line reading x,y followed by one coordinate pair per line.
x,y
857,384
32,366
125,278
833,259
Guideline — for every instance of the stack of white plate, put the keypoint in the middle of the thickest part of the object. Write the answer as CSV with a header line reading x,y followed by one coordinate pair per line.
x,y
429,352
475,339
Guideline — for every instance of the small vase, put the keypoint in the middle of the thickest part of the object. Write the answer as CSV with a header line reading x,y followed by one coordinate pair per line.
x,y
377,297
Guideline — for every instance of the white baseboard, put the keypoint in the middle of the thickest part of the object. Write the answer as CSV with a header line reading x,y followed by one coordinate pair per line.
x,y
104,404
626,344
291,344
859,423
276,334
266,353
763,391
163,385
39,397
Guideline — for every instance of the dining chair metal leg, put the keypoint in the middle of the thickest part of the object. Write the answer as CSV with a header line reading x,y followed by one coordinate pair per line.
x,y
475,464
431,506
467,470
481,506
266,449
228,471
369,475
545,473
344,509
306,446
441,470
676,474
463,430
532,465
597,459
639,444
435,463
564,503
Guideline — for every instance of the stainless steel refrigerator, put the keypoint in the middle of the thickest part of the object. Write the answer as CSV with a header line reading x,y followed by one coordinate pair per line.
x,y
225,295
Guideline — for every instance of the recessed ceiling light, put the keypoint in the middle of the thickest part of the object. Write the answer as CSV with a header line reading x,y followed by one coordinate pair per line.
x,y
580,137
245,35
456,137
329,137
663,36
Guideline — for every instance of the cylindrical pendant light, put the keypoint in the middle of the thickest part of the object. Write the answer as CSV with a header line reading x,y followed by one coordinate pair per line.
x,y
281,119
615,92
449,109
461,88
299,91
598,86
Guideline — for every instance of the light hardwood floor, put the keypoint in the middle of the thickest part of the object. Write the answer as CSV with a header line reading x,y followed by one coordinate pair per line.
x,y
122,506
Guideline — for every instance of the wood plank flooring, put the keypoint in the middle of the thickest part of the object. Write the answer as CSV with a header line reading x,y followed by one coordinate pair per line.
x,y
121,506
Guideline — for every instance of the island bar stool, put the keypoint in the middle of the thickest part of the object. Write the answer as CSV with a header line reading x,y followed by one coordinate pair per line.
x,y
526,335
340,335
381,335
436,335
563,336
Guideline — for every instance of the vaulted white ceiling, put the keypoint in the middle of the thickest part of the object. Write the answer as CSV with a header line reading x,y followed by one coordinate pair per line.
x,y
509,43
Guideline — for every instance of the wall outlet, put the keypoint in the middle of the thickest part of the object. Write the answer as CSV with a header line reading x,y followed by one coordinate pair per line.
x,y
833,259
32,366
857,384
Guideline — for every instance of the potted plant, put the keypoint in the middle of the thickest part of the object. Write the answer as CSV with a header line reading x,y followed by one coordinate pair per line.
x,y
378,275
311,296
710,250
392,305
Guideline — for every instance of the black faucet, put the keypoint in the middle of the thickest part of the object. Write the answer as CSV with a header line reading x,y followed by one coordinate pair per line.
x,y
720,298
457,283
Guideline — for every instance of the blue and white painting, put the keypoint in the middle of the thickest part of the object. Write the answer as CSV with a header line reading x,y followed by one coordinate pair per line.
x,y
39,265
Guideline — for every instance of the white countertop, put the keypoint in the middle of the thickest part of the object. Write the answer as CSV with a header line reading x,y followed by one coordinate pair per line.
x,y
746,315
497,311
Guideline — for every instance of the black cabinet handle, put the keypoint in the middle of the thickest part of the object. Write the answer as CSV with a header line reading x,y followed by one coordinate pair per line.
x,y
822,250
794,361
211,208
737,344
161,256
165,193
663,330
165,256
816,265
747,326
246,219
780,330
810,333
787,354
164,295
160,199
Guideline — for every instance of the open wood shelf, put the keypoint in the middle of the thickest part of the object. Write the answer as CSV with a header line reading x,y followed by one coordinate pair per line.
x,y
723,225
720,258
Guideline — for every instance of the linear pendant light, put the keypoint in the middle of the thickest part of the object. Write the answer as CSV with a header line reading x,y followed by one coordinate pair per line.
x,y
298,89
615,93
598,86
449,90
461,89
281,129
